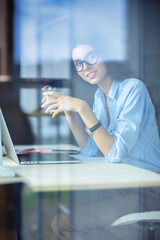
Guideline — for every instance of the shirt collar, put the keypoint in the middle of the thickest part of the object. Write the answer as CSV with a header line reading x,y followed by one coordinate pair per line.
x,y
113,90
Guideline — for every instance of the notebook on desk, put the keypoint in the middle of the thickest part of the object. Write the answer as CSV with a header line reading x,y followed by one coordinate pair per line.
x,y
31,157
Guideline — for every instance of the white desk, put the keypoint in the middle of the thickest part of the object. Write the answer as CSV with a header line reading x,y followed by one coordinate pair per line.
x,y
81,176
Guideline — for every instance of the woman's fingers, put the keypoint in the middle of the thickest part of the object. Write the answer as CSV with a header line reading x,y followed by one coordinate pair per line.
x,y
52,93
56,113
50,101
52,107
57,102
47,86
43,99
47,102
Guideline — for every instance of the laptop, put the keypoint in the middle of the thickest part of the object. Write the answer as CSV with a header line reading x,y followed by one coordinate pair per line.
x,y
33,157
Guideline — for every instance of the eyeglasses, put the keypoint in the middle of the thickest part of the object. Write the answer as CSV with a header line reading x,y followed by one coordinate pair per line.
x,y
90,59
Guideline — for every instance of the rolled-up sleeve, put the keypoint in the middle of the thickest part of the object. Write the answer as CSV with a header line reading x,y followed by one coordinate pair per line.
x,y
129,122
90,149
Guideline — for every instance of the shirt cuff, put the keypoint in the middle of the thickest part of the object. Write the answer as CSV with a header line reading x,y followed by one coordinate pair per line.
x,y
115,155
90,149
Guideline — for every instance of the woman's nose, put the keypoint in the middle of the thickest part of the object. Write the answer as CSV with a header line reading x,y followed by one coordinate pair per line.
x,y
86,66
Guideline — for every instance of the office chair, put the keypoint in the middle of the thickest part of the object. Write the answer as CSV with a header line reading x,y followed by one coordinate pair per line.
x,y
146,220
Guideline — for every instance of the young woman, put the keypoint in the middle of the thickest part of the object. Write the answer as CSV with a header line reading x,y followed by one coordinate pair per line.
x,y
122,126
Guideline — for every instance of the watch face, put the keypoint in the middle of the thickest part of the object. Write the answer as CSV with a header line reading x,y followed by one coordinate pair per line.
x,y
88,131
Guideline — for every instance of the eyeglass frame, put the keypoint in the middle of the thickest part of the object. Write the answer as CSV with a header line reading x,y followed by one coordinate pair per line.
x,y
84,61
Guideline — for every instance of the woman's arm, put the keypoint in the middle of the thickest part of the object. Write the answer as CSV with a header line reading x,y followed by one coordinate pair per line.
x,y
102,138
77,128
70,106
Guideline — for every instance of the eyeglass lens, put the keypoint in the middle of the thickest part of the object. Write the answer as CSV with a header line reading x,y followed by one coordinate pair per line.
x,y
90,59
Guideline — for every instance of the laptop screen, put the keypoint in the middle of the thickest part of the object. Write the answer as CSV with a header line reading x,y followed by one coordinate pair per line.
x,y
6,139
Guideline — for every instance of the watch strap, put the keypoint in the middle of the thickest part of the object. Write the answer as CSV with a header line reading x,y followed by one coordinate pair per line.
x,y
95,127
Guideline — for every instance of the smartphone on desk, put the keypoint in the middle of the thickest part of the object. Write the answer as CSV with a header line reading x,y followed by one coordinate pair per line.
x,y
67,151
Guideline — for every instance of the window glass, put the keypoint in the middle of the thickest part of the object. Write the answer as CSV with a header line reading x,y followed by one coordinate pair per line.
x,y
44,30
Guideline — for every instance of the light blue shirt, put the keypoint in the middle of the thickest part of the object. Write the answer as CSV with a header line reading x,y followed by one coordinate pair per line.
x,y
133,125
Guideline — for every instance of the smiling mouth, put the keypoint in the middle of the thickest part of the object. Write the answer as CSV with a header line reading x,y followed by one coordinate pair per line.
x,y
91,74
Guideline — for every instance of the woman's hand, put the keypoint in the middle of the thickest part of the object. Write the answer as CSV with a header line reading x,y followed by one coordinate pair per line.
x,y
58,102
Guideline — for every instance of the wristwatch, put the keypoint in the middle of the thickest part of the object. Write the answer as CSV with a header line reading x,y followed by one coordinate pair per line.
x,y
94,128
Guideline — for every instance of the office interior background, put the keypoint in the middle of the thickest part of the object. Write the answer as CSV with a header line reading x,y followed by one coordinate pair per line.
x,y
35,50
